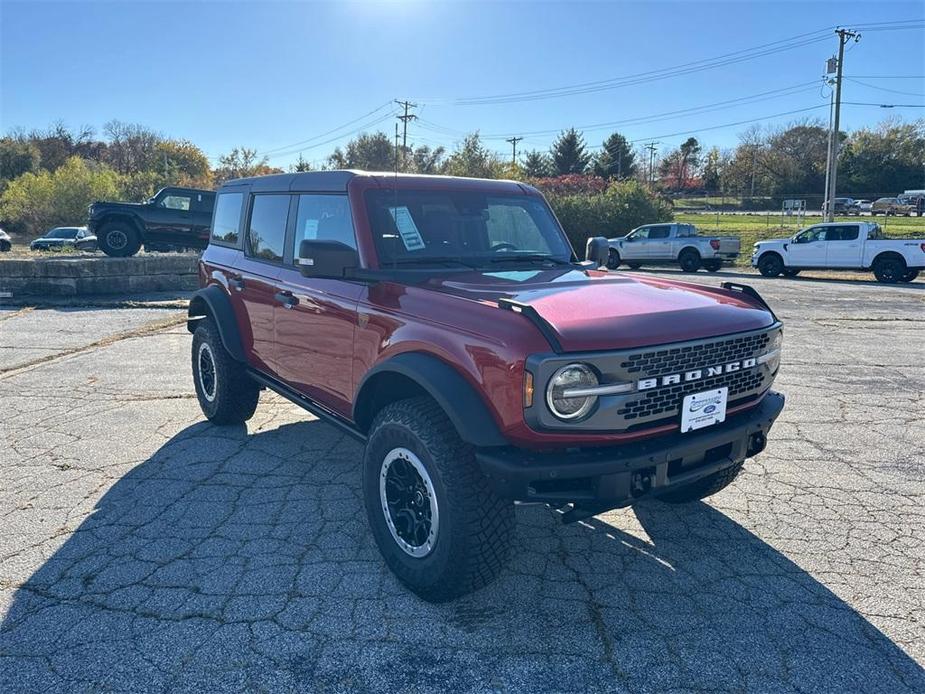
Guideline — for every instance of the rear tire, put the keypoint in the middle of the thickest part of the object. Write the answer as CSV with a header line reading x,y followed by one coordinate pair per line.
x,y
909,276
708,486
613,260
889,270
118,240
689,261
790,272
227,395
438,523
770,265
713,265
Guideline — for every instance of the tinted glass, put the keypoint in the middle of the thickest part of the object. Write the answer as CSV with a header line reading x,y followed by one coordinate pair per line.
x,y
202,202
63,233
267,232
847,233
659,232
227,218
175,202
323,218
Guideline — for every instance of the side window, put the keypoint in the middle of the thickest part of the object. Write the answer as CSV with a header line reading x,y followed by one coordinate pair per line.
x,y
662,232
849,233
176,202
266,234
203,202
227,218
641,233
323,218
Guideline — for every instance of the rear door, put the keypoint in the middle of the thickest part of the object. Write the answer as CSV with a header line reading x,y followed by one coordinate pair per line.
x,y
201,218
256,276
843,246
316,318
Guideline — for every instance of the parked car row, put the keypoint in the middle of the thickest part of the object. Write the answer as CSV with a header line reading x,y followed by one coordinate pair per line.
x,y
902,205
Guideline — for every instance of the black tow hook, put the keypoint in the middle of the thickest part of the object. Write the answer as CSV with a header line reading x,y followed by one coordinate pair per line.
x,y
642,481
756,443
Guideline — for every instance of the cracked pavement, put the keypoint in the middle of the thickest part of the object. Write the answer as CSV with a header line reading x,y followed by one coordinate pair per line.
x,y
142,549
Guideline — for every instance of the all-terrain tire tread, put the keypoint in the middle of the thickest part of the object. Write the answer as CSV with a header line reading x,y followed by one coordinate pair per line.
x,y
236,393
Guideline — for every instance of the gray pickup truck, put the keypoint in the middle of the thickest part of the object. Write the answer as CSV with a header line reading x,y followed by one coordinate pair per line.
x,y
661,244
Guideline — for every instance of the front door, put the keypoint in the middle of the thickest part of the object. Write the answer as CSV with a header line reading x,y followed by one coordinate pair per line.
x,y
808,248
170,217
316,318
843,247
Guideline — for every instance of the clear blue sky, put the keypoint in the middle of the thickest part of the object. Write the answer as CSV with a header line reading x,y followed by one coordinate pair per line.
x,y
267,75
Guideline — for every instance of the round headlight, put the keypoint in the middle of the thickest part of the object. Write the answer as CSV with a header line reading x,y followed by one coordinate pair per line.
x,y
571,377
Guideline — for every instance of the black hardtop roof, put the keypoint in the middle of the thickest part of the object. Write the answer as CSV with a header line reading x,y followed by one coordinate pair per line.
x,y
185,189
337,181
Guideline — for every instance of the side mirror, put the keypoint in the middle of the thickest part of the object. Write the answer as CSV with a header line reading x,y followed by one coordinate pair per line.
x,y
597,250
326,258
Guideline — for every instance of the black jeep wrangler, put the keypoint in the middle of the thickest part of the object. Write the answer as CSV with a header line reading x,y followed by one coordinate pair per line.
x,y
175,217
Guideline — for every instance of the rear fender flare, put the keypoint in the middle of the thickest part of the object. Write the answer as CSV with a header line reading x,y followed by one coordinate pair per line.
x,y
463,405
214,302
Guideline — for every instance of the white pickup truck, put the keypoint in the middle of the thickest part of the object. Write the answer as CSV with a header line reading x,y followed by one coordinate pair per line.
x,y
844,246
658,244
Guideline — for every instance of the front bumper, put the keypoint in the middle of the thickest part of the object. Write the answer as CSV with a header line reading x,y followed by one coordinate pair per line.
x,y
604,478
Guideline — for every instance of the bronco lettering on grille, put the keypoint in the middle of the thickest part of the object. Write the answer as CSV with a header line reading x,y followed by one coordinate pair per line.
x,y
696,374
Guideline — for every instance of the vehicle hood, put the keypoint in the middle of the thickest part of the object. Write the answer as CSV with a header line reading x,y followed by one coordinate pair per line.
x,y
590,310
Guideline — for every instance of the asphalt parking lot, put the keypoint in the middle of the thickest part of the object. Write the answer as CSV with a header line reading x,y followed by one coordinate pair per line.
x,y
142,549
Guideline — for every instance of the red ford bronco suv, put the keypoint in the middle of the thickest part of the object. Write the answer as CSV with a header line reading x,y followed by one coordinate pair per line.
x,y
447,324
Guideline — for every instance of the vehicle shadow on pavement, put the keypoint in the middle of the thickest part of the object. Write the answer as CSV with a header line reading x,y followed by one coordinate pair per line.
x,y
230,561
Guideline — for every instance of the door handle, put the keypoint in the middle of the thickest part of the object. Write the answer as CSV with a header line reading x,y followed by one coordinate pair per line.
x,y
237,282
286,299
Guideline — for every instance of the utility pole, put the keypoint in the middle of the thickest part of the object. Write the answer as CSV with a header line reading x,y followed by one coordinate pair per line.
x,y
844,35
514,140
396,149
407,105
652,149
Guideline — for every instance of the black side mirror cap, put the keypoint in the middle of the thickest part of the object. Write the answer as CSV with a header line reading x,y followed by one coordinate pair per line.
x,y
329,259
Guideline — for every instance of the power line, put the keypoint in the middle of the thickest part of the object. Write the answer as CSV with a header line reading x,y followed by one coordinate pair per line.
x,y
407,116
653,75
324,134
884,89
514,140
361,128
867,103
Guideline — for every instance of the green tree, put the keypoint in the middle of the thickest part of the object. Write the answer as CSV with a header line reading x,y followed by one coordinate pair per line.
x,y
616,158
613,212
184,164
36,202
472,158
18,157
425,160
884,160
536,165
713,169
373,152
569,154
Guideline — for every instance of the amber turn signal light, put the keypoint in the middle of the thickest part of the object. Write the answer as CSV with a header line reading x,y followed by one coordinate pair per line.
x,y
528,389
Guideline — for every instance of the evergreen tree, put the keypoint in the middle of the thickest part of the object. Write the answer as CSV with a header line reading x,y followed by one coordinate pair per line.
x,y
568,153
536,165
616,158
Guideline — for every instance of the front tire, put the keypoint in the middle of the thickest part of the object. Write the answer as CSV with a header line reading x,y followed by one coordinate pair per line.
x,y
909,276
227,395
689,261
439,525
701,489
613,260
889,270
770,265
118,240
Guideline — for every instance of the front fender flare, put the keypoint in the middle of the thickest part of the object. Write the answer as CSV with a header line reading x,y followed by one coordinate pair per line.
x,y
464,407
214,301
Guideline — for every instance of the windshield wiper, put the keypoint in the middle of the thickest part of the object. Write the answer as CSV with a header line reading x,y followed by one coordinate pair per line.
x,y
429,261
529,258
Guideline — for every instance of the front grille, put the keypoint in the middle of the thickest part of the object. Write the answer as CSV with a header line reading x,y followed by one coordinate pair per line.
x,y
664,403
667,361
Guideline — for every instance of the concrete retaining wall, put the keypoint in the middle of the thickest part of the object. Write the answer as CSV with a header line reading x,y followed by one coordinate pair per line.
x,y
98,275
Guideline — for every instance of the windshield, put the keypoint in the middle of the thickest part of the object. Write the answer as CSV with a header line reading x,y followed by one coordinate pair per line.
x,y
62,233
465,228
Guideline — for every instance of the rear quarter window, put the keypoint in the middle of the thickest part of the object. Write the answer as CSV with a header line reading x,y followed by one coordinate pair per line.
x,y
226,222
